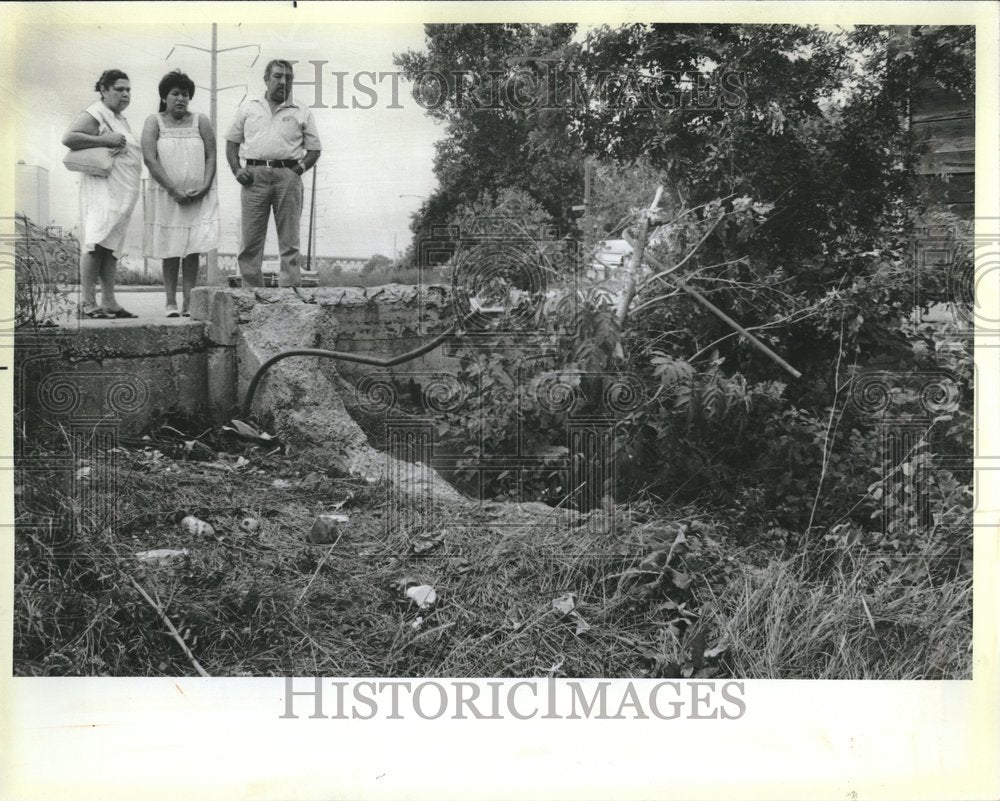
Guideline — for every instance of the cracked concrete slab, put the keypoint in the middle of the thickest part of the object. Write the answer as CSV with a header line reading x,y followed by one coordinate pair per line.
x,y
302,399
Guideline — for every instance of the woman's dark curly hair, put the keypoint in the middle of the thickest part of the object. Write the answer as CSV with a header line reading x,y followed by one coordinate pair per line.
x,y
171,80
108,78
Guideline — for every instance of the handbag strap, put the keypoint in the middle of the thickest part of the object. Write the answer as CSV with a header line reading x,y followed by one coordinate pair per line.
x,y
100,112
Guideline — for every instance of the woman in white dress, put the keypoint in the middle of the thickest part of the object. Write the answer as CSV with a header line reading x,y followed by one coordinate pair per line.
x,y
106,204
181,203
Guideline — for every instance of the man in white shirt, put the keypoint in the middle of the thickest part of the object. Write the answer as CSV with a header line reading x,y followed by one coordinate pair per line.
x,y
278,141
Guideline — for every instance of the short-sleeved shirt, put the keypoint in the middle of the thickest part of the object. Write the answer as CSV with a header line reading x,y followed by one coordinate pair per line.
x,y
286,134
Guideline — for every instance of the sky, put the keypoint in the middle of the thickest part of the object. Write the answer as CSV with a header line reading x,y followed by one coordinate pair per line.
x,y
371,156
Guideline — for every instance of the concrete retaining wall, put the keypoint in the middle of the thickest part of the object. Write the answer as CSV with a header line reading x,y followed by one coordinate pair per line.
x,y
377,321
128,373
119,377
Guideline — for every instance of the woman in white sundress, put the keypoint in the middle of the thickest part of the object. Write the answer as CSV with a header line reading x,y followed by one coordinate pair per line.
x,y
106,204
181,203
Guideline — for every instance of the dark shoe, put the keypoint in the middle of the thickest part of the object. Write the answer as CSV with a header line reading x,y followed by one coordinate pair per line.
x,y
96,313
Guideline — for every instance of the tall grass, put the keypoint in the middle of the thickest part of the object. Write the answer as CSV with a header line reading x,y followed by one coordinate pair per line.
x,y
856,623
662,593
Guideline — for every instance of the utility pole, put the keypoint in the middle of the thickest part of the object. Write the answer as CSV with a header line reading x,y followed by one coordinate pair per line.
x,y
586,222
312,221
212,257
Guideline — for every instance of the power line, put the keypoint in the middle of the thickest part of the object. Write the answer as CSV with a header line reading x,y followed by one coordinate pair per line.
x,y
212,258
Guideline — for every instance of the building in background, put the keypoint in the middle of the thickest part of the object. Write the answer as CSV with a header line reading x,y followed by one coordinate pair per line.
x,y
31,193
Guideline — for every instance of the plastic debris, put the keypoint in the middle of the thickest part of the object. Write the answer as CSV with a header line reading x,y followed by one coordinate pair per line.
x,y
564,604
427,543
422,595
198,527
161,557
250,524
248,432
199,451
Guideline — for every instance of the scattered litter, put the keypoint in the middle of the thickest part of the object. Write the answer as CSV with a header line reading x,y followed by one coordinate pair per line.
x,y
197,527
280,483
564,604
216,466
416,624
340,504
426,544
83,472
242,462
327,528
161,557
719,650
681,580
422,595
250,524
199,451
248,432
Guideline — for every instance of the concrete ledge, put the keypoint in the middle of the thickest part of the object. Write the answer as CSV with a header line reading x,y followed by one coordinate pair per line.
x,y
130,342
119,379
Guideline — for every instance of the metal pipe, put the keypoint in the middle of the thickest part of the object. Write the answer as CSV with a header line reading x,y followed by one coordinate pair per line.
x,y
348,357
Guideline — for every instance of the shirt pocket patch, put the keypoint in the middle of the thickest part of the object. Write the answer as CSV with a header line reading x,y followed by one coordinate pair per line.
x,y
289,127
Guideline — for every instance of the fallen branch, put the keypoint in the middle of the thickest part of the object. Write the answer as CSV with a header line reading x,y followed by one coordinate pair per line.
x,y
694,293
663,274
635,260
173,631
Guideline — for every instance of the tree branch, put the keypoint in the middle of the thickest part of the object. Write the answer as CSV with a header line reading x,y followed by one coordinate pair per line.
x,y
635,261
173,631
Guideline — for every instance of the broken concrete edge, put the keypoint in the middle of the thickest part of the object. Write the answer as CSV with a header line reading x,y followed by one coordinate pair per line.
x,y
134,342
304,402
223,309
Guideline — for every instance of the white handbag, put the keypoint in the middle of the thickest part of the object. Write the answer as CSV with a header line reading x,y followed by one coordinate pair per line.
x,y
91,160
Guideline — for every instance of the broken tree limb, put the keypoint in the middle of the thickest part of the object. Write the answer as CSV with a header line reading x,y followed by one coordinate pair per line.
x,y
705,302
635,260
173,631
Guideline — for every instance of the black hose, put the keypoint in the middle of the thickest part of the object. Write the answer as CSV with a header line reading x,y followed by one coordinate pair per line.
x,y
347,357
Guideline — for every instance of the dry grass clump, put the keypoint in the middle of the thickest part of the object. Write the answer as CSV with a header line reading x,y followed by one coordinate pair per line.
x,y
782,626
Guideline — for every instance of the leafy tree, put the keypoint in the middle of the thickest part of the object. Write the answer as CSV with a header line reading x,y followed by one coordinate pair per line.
x,y
488,90
376,263
790,202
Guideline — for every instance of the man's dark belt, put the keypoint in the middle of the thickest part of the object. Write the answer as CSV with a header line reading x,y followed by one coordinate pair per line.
x,y
271,162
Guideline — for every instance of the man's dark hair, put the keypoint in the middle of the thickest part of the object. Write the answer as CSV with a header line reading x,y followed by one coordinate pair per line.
x,y
274,62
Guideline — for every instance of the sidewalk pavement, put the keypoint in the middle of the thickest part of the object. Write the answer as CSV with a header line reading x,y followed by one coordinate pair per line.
x,y
148,302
